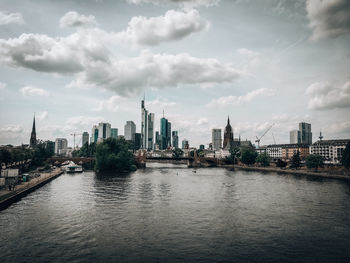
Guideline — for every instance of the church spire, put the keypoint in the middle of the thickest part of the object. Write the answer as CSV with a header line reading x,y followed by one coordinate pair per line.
x,y
228,119
33,134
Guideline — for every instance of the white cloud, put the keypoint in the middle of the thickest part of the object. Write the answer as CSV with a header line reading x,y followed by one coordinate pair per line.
x,y
323,95
160,103
247,52
172,26
328,18
74,19
12,128
10,18
29,91
185,3
232,100
42,116
2,85
112,104
202,121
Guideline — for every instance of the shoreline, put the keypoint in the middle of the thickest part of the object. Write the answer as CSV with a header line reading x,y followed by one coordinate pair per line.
x,y
293,172
9,197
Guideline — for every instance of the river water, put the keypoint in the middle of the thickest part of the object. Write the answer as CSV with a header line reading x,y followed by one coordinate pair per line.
x,y
172,214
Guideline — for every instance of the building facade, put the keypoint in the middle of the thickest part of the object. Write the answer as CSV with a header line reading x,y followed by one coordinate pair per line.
x,y
163,134
301,136
216,139
294,137
175,139
288,150
331,150
137,142
185,144
85,138
61,146
150,132
104,131
129,131
94,134
114,133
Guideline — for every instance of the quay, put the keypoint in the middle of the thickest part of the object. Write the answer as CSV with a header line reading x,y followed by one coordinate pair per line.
x,y
9,197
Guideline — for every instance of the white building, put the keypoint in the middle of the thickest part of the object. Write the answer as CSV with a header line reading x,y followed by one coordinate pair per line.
x,y
331,150
104,131
294,137
274,151
61,145
216,139
129,131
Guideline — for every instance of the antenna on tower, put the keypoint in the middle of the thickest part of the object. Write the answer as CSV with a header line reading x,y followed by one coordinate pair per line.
x,y
163,113
321,137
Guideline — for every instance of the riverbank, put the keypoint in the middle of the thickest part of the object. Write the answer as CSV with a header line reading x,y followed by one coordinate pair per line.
x,y
293,172
9,197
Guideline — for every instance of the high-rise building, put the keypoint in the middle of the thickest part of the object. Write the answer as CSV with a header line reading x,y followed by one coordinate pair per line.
x,y
104,131
32,141
144,126
175,138
61,145
94,134
163,133
294,137
228,136
185,144
168,134
129,131
137,142
201,147
114,133
85,138
305,133
216,139
158,141
150,132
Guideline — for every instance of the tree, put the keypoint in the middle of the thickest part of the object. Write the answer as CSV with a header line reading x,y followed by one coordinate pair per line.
x,y
314,161
263,159
345,160
295,162
235,153
281,164
5,156
41,152
248,156
177,152
114,155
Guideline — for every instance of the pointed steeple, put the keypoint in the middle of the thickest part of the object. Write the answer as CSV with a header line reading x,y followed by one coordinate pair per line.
x,y
228,119
32,141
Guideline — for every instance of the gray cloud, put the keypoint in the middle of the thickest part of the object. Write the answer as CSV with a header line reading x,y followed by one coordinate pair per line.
x,y
74,19
10,18
322,95
328,18
186,3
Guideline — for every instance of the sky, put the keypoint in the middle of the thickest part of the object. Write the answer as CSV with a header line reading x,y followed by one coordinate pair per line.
x,y
270,62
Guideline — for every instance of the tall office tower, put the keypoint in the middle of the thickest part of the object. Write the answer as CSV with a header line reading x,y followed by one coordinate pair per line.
x,y
216,139
85,138
150,131
168,134
129,131
144,126
157,141
228,136
94,134
305,133
185,144
114,133
294,137
137,142
32,141
104,131
61,145
175,139
163,133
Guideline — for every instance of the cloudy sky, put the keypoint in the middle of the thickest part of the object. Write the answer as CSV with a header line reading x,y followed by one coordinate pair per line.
x,y
76,63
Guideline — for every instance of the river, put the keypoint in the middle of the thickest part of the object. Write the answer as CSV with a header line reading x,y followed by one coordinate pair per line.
x,y
173,214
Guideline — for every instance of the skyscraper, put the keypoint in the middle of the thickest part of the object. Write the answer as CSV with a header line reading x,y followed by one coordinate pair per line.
x,y
305,133
175,138
32,141
185,144
104,131
61,145
129,131
294,137
144,127
137,142
228,136
85,138
94,134
163,133
216,139
150,132
114,133
168,134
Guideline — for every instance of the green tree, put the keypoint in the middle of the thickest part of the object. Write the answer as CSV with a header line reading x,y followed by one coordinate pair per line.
x,y
41,152
281,164
345,160
114,155
5,156
263,159
248,156
177,152
235,152
295,162
314,161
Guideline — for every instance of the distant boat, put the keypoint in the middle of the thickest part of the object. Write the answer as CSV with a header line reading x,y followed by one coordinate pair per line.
x,y
73,168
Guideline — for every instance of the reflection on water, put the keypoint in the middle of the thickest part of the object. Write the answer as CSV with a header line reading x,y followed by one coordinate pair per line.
x,y
170,214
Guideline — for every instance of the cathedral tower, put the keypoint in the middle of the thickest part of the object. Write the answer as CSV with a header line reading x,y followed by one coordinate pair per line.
x,y
33,135
228,136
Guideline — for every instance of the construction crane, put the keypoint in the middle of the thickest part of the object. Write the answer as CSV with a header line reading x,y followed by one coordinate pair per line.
x,y
74,134
274,141
258,139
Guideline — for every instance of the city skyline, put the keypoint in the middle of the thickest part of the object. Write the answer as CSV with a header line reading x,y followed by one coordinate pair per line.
x,y
261,64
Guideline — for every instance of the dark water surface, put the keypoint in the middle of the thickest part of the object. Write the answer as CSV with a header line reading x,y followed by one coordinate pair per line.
x,y
171,214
